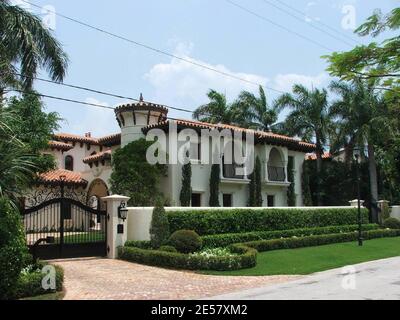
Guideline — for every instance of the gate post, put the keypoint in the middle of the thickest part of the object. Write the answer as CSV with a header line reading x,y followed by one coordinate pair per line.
x,y
116,227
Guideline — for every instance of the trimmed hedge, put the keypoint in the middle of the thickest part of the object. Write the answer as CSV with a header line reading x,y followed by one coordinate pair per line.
x,y
391,223
185,241
207,222
139,244
13,249
223,240
311,241
246,258
30,284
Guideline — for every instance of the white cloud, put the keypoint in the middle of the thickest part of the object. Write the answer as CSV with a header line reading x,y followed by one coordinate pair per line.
x,y
182,84
285,82
98,121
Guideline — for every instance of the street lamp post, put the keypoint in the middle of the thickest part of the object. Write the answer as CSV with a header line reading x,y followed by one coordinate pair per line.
x,y
357,156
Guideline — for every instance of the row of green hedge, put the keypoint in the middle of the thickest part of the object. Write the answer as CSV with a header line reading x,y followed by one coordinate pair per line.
x,y
317,240
223,240
246,258
30,284
207,222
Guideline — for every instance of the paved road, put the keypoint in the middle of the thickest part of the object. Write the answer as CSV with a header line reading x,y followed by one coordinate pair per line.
x,y
108,279
372,280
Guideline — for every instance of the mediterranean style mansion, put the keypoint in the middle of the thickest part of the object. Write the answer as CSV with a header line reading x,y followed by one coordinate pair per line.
x,y
84,162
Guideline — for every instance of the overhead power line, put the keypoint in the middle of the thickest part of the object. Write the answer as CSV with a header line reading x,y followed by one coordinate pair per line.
x,y
64,99
159,51
309,24
95,91
319,22
96,105
278,25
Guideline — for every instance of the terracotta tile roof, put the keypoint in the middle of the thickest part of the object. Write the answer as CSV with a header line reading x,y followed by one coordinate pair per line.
x,y
68,137
107,141
56,176
105,155
58,145
141,105
313,156
268,137
111,140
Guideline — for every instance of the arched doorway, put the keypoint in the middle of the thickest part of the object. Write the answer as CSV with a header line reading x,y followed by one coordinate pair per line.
x,y
97,190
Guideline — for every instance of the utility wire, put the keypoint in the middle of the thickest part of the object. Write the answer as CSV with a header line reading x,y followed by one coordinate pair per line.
x,y
96,105
309,24
63,99
184,59
95,91
278,25
319,22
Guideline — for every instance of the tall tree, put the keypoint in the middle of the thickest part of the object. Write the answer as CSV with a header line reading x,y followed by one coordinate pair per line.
x,y
291,194
215,180
34,127
25,130
25,42
218,110
186,191
255,185
254,111
309,118
159,227
379,63
361,115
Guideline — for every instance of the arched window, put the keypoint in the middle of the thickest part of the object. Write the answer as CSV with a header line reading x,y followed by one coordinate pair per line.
x,y
69,163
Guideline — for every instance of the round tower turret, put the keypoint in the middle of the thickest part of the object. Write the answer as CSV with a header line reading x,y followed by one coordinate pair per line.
x,y
133,117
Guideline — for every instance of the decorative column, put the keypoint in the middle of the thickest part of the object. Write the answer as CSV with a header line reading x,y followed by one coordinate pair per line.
x,y
354,203
116,226
384,211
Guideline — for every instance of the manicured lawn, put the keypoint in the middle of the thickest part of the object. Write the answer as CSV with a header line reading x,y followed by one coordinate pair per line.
x,y
314,259
86,237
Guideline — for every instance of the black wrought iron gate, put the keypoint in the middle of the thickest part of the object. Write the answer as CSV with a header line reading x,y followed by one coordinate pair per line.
x,y
65,228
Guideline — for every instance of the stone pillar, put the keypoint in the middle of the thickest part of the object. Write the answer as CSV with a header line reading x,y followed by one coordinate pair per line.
x,y
384,211
116,227
354,203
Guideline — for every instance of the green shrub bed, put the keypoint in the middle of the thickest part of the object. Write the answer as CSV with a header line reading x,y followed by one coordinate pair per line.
x,y
243,257
317,240
29,284
223,240
218,221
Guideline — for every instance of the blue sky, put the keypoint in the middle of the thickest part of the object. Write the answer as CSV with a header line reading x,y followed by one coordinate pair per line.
x,y
211,32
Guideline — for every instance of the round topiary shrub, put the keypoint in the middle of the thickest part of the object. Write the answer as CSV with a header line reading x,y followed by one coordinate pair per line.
x,y
185,241
13,249
391,223
168,249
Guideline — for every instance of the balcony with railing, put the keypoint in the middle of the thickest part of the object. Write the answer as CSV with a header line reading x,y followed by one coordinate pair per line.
x,y
276,174
276,168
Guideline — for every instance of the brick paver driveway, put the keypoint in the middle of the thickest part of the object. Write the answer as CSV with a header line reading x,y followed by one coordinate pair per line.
x,y
105,279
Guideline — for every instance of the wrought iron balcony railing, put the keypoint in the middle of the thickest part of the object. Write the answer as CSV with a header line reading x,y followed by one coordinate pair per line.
x,y
276,174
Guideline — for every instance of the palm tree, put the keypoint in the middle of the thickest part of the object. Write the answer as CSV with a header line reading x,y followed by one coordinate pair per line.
x,y
254,111
361,115
27,44
309,118
17,167
218,110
